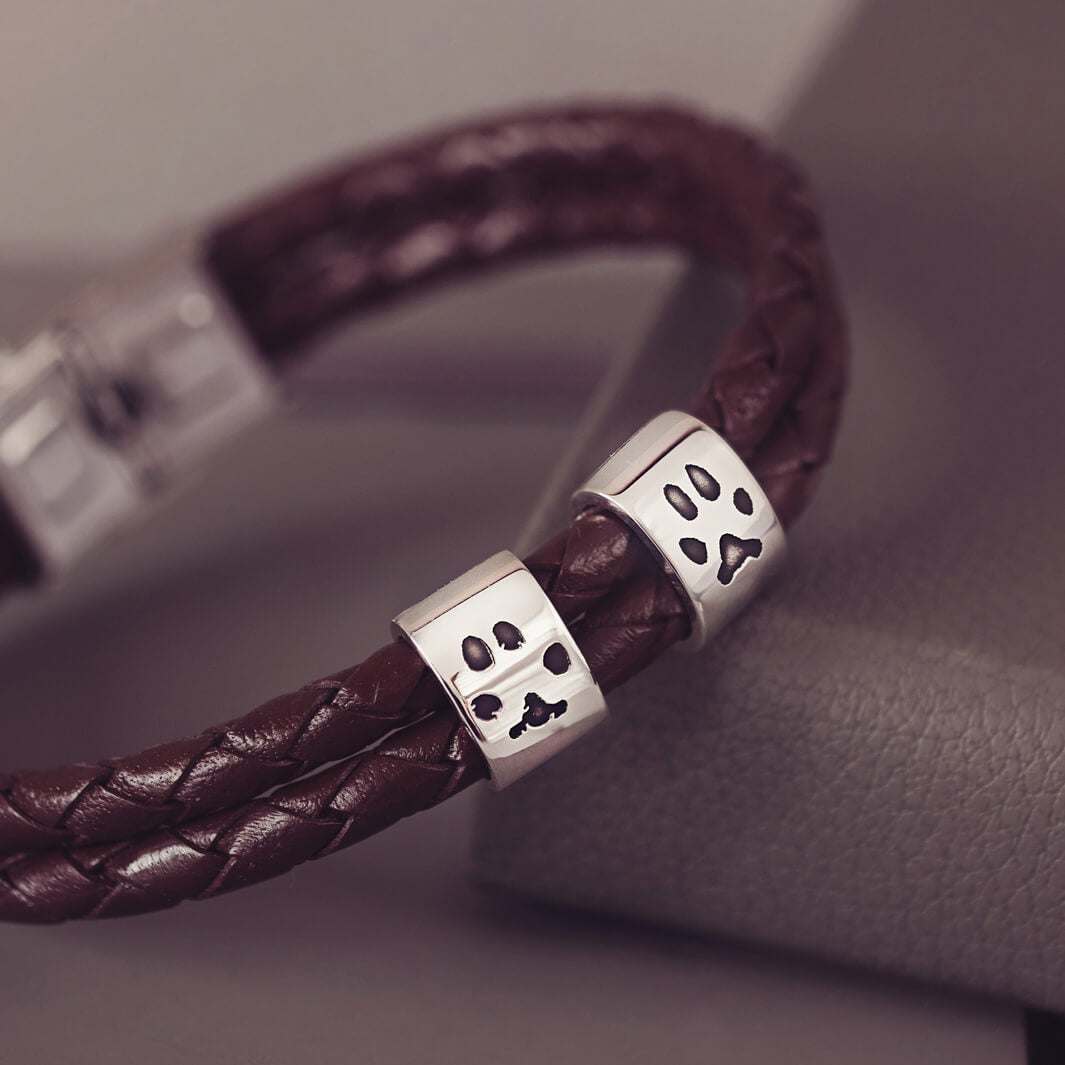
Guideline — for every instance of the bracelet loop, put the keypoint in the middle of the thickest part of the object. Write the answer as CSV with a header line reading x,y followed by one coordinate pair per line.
x,y
320,768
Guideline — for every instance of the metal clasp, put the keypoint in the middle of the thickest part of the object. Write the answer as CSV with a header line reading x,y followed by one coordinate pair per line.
x,y
121,391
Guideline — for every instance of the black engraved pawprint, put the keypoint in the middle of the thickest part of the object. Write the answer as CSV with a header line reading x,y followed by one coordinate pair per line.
x,y
733,550
478,656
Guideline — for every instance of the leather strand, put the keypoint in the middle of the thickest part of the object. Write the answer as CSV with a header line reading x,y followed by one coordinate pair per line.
x,y
550,181
413,769
184,820
288,736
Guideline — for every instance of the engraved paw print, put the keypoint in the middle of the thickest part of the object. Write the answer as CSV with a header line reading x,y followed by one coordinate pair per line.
x,y
733,550
486,706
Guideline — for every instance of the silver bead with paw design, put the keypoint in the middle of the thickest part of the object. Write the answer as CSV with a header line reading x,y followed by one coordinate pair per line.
x,y
690,497
508,663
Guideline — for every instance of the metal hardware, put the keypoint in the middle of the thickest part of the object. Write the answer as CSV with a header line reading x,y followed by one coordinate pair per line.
x,y
693,501
117,395
508,663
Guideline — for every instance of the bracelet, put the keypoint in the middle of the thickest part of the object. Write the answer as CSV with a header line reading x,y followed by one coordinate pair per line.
x,y
116,395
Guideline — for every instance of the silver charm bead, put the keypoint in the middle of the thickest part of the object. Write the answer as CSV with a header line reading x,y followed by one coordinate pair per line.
x,y
693,501
508,663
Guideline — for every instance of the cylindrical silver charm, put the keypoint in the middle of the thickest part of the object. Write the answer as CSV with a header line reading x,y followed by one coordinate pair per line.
x,y
694,502
509,664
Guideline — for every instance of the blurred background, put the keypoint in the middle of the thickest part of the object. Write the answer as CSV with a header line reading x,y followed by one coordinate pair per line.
x,y
121,120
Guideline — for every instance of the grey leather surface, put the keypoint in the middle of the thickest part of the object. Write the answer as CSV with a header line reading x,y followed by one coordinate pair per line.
x,y
871,766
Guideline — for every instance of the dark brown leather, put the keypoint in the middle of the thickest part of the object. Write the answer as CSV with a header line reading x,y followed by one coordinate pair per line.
x,y
412,770
326,720
549,181
17,563
474,196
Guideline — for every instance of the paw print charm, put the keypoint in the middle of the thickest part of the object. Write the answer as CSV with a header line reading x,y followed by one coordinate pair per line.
x,y
508,663
694,502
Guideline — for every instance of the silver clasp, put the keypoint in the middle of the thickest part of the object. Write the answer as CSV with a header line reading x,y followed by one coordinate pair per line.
x,y
122,390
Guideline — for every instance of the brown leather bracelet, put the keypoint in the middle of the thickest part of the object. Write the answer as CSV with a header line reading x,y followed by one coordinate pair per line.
x,y
183,820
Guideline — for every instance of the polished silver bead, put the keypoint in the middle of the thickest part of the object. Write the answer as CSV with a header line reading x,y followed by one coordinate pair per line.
x,y
508,663
693,501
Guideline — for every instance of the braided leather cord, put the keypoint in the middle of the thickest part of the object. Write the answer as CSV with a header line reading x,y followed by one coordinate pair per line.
x,y
181,820
413,769
548,181
324,721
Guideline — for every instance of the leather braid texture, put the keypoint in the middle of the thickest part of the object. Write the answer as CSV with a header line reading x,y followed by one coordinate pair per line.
x,y
411,770
184,820
308,819
551,181
324,721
